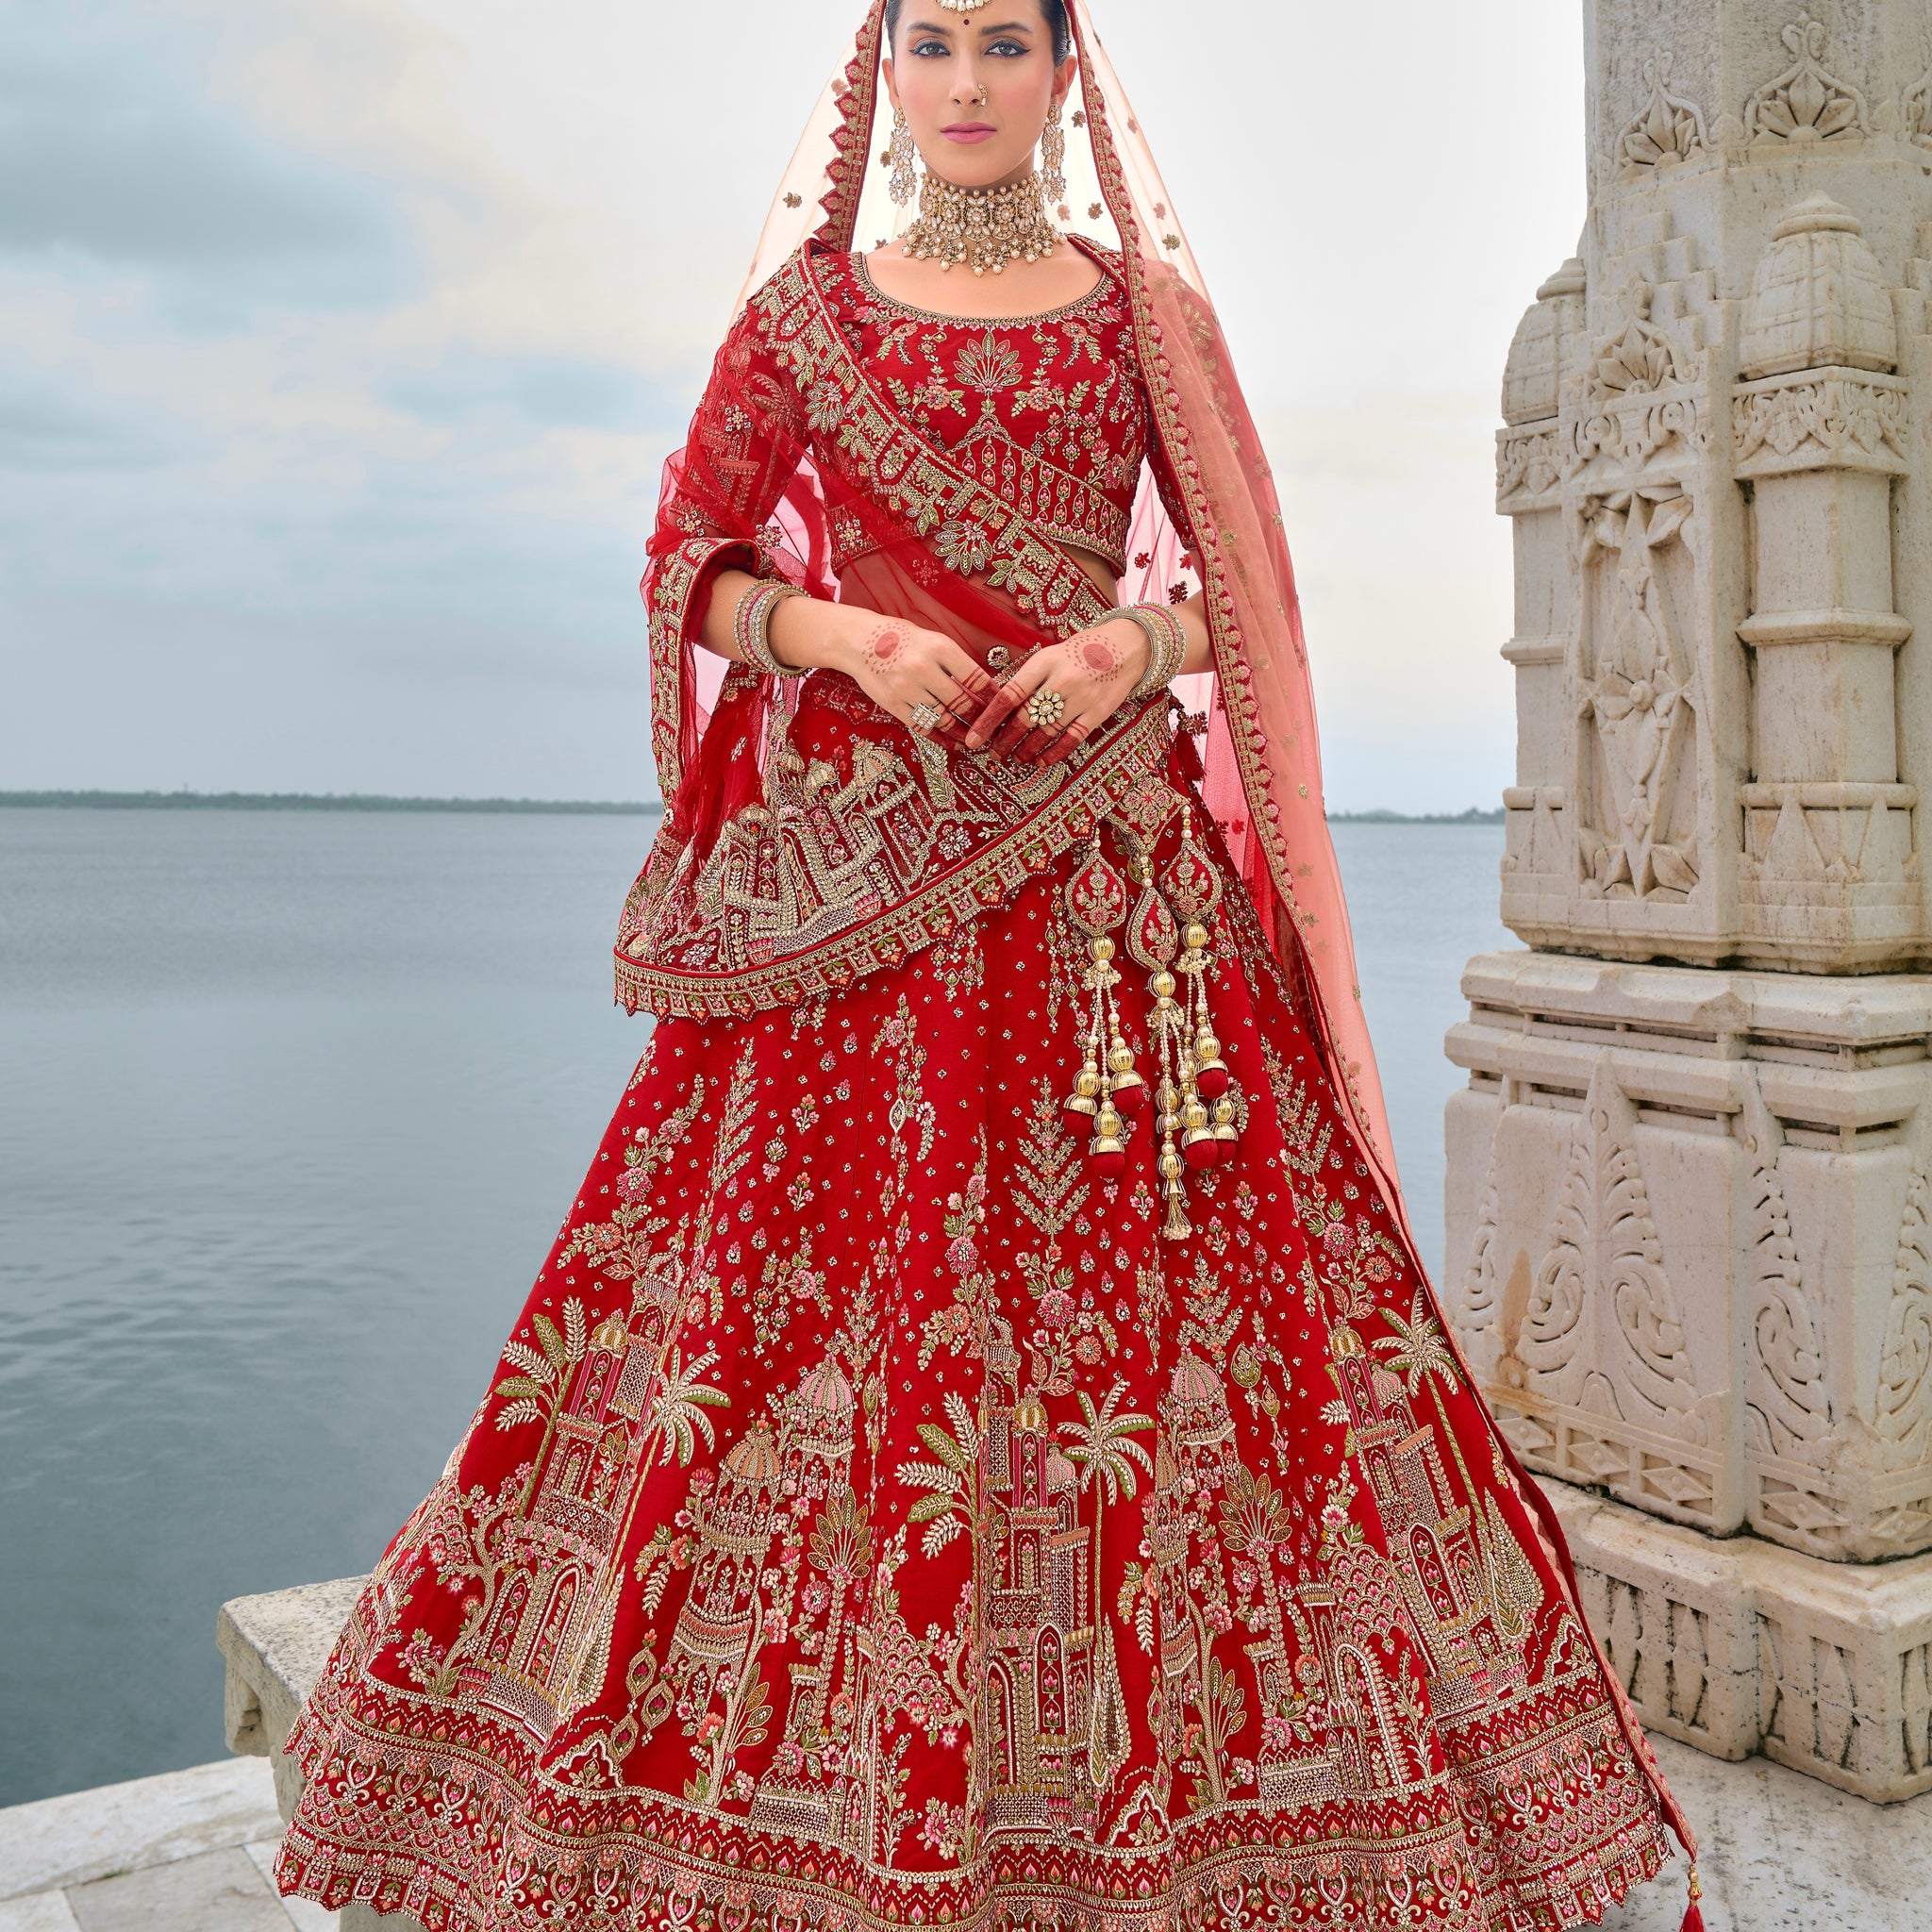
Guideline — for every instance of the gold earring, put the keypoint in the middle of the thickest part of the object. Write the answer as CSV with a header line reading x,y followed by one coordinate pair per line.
x,y
899,156
1052,157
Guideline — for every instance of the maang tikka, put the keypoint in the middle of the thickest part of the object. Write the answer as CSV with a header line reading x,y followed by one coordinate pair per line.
x,y
898,156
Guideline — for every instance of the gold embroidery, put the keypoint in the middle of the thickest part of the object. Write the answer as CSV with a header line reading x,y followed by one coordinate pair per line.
x,y
826,880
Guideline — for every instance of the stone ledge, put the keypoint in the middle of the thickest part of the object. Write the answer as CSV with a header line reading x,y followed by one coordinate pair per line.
x,y
1842,1011
1771,1843
275,1645
1739,1647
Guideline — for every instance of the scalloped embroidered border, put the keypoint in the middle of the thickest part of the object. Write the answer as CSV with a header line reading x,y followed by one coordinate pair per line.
x,y
1133,763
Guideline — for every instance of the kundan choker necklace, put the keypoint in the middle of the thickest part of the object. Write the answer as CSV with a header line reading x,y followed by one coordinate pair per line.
x,y
984,228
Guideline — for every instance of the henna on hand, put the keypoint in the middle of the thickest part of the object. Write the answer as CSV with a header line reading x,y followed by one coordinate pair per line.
x,y
1006,699
884,643
1101,654
1071,737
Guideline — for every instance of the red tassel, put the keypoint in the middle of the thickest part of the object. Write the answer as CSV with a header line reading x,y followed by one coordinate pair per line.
x,y
1693,1917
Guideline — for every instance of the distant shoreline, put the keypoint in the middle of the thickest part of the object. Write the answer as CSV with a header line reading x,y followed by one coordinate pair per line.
x,y
315,801
373,801
1474,815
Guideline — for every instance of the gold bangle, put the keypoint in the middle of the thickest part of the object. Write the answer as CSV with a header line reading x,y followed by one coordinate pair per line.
x,y
1167,646
751,624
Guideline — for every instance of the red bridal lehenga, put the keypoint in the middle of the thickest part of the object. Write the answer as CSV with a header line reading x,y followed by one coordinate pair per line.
x,y
885,1515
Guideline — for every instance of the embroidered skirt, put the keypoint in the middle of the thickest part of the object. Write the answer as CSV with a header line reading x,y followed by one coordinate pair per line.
x,y
876,1520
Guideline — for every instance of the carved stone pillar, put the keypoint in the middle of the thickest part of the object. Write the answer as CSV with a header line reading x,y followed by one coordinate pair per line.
x,y
1689,1191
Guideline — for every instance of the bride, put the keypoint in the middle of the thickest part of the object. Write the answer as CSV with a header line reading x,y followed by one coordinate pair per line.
x,y
982,1450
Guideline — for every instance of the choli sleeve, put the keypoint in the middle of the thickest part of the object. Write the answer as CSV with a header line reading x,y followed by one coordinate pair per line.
x,y
742,449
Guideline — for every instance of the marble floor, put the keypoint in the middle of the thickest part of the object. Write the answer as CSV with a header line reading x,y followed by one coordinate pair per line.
x,y
187,1852
190,1852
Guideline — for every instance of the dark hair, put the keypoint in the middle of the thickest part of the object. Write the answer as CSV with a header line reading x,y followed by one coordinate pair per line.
x,y
1053,12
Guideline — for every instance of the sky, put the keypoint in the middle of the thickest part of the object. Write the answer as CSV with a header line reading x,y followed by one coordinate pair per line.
x,y
342,342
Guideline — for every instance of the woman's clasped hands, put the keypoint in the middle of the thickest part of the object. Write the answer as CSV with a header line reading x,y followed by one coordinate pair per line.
x,y
1037,714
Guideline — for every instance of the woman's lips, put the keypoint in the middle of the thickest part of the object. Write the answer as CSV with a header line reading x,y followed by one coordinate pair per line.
x,y
968,131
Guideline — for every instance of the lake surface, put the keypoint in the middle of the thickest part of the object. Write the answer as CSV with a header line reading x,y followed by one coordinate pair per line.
x,y
291,1106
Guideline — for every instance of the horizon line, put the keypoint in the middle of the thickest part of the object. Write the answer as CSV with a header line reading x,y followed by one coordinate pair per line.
x,y
185,800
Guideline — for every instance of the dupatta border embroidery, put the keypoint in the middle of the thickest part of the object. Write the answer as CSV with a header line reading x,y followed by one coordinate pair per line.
x,y
1126,776
895,466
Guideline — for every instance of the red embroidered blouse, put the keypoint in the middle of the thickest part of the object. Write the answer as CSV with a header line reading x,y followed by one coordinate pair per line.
x,y
841,423
1047,411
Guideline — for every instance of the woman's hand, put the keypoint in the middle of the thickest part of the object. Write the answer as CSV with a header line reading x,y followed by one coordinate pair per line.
x,y
1091,672
903,668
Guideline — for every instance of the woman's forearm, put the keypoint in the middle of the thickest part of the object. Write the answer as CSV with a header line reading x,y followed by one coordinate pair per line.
x,y
802,631
1193,617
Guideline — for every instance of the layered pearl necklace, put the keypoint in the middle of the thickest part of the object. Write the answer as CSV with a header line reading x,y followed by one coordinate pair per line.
x,y
984,228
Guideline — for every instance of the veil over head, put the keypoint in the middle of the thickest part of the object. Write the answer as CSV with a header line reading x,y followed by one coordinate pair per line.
x,y
1261,779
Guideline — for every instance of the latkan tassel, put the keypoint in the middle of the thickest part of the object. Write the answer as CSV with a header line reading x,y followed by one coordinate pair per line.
x,y
1153,939
1195,886
1693,1916
1096,902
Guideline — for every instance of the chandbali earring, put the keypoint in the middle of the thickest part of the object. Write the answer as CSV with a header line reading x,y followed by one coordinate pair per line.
x,y
1053,158
898,156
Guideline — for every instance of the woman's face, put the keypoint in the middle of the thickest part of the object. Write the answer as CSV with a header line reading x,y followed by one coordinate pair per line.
x,y
975,87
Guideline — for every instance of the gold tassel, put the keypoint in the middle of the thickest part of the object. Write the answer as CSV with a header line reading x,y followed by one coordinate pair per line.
x,y
1153,939
1208,1111
1110,1092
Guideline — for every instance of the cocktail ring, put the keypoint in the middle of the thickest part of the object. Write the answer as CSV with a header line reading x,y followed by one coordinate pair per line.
x,y
1044,709
925,716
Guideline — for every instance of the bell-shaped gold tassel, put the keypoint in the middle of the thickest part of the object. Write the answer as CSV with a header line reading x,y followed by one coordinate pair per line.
x,y
1096,902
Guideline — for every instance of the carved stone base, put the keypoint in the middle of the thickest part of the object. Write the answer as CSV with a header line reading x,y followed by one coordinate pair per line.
x,y
1689,1252
1738,1647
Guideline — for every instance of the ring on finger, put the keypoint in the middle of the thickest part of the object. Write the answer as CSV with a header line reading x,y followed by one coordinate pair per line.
x,y
1045,708
925,716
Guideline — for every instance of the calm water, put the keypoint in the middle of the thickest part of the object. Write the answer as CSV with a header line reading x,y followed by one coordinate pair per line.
x,y
291,1105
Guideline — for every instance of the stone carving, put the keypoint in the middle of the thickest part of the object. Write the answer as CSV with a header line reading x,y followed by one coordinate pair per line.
x,y
1707,1294
1478,1310
1641,708
1604,1327
1818,297
1915,105
1639,396
1806,103
1829,420
1529,468
1903,1408
1786,1392
1637,356
1666,129
1712,1653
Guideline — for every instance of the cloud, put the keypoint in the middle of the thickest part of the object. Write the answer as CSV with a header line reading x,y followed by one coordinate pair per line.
x,y
547,391
108,162
342,343
42,430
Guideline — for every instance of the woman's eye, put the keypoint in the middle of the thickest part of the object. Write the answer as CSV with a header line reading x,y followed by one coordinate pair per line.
x,y
925,49
1007,48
